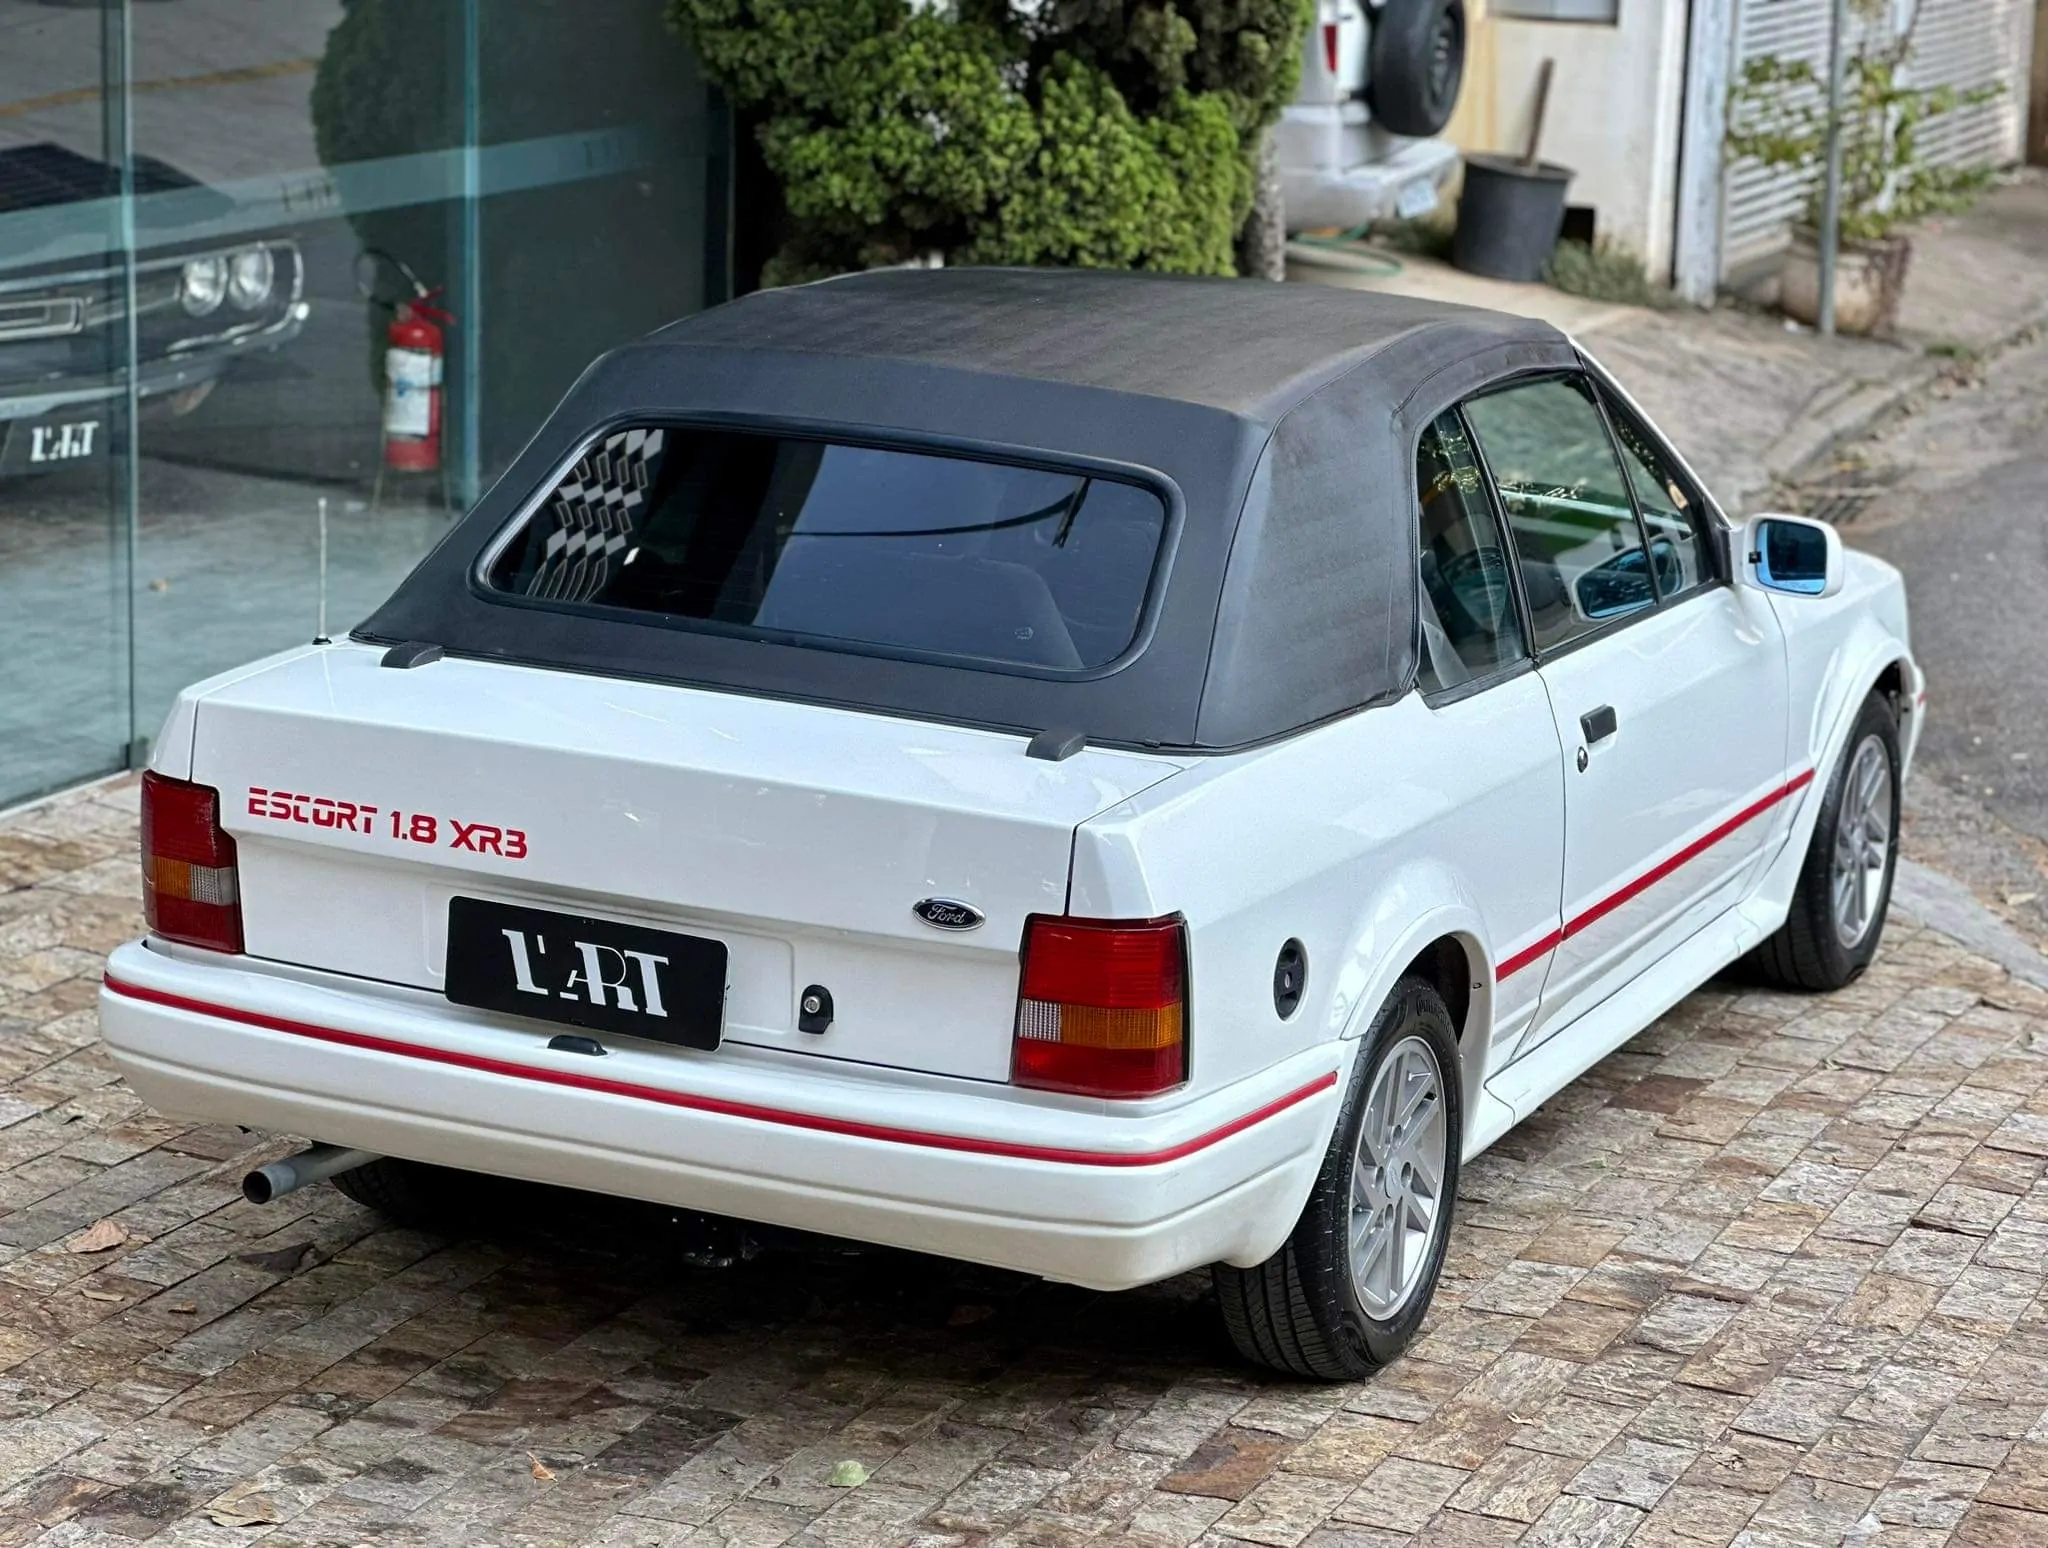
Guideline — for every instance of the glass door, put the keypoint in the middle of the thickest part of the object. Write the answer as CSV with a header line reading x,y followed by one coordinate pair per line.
x,y
212,214
63,422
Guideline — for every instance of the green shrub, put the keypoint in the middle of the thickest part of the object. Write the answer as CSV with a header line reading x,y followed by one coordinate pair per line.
x,y
1106,133
1607,271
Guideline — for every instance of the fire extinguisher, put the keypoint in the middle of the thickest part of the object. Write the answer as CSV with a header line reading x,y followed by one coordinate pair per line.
x,y
412,385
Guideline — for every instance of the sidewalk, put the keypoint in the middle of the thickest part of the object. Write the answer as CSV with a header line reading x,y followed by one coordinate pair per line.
x,y
1753,404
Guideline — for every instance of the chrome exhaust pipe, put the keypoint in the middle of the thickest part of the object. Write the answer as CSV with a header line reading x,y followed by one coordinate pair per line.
x,y
293,1172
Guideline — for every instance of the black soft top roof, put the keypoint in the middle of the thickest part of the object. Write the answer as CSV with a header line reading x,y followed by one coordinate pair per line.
x,y
1280,420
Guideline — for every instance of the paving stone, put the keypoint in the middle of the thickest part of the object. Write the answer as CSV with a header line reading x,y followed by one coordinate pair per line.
x,y
1401,1494
1980,1432
1750,1464
1996,1526
1284,1509
1771,1274
2021,1480
1811,1510
1579,1521
1693,1517
1228,1466
1175,1519
1515,1484
1929,1494
1635,1471
1569,1425
1576,1331
1346,1446
1461,1529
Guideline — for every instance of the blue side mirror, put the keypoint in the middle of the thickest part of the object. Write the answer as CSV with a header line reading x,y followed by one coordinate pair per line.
x,y
1793,556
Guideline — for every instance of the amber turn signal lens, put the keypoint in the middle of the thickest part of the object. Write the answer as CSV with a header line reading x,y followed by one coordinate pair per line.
x,y
191,891
1103,1006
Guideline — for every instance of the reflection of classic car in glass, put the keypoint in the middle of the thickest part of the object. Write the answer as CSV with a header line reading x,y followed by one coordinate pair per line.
x,y
198,306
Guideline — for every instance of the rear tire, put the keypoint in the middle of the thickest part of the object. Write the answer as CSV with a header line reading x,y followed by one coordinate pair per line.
x,y
1845,885
1416,65
409,1193
1347,1291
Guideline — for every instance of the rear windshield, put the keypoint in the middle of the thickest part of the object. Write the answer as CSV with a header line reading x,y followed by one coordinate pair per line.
x,y
780,536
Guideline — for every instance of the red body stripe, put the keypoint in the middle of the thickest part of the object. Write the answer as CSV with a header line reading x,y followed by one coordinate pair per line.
x,y
705,1104
1651,877
1529,954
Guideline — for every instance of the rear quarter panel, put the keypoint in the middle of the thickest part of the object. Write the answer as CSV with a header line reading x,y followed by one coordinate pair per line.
x,y
1366,839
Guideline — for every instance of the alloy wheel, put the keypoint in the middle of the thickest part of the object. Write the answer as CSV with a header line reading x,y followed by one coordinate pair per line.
x,y
1863,834
1397,1177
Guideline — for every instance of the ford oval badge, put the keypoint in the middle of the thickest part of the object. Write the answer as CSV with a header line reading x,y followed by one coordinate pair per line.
x,y
948,914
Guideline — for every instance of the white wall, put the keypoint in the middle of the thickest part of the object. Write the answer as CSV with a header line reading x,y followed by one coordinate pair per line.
x,y
1614,112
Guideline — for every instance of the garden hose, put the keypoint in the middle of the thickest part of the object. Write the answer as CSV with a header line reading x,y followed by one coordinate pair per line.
x,y
1350,246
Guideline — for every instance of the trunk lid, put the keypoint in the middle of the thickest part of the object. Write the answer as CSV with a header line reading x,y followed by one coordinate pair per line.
x,y
363,799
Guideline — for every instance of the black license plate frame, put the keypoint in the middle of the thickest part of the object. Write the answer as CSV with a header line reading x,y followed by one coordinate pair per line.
x,y
51,443
661,985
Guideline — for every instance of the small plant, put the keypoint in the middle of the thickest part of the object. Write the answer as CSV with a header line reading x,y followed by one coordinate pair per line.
x,y
1606,271
1778,116
1429,236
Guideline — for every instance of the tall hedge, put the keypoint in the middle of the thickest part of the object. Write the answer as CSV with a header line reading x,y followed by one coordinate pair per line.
x,y
1103,133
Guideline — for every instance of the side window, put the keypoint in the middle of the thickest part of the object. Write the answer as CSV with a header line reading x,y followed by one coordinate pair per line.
x,y
1567,506
1671,511
1469,626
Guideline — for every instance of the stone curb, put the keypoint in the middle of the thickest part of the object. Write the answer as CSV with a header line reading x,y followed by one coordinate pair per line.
x,y
1817,434
1942,903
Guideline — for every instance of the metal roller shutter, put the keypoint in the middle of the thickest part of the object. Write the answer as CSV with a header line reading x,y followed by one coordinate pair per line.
x,y
1956,42
1966,43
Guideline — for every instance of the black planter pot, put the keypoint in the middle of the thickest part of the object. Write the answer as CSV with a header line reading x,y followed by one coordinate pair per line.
x,y
1508,217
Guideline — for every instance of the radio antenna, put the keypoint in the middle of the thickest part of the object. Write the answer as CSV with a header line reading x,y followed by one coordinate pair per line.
x,y
320,632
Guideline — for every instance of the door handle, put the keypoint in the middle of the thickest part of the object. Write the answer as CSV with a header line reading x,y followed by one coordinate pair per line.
x,y
1598,725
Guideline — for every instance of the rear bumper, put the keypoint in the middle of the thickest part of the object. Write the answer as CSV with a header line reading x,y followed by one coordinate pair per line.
x,y
1350,175
1072,1191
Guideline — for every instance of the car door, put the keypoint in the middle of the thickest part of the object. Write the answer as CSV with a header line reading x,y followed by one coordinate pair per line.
x,y
1667,684
1490,714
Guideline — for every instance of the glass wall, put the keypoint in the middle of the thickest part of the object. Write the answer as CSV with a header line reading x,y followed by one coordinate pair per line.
x,y
209,212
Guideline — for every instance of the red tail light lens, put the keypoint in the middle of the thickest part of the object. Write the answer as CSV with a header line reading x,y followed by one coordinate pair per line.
x,y
1103,1006
190,891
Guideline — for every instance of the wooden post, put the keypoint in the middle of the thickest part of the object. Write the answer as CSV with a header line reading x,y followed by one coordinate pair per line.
x,y
2037,114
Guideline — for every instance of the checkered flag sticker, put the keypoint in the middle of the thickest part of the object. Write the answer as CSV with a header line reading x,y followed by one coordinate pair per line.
x,y
596,512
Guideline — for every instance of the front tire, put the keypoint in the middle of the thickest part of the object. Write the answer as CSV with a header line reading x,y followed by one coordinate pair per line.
x,y
1845,886
1349,1288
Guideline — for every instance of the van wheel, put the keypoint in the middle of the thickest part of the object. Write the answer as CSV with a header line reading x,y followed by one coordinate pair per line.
x,y
1845,887
408,1193
1346,1292
1416,64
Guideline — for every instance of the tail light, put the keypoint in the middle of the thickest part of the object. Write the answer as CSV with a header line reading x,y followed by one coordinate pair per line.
x,y
1330,46
190,892
1103,1006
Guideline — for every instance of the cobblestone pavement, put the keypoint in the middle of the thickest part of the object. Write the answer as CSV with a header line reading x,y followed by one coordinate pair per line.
x,y
1772,1274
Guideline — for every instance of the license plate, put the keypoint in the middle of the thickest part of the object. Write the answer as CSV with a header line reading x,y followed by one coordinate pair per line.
x,y
584,972
1415,199
45,445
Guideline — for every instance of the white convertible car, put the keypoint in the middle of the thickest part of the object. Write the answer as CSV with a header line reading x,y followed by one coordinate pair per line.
x,y
1093,774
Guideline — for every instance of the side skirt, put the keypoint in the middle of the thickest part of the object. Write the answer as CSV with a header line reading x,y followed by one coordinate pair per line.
x,y
1529,1082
